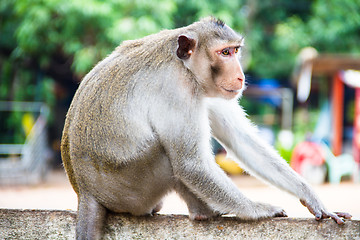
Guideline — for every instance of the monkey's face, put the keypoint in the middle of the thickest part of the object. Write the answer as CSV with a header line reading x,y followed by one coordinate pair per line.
x,y
227,75
218,70
216,65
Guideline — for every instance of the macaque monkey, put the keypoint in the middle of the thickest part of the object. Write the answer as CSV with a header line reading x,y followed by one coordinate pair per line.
x,y
140,124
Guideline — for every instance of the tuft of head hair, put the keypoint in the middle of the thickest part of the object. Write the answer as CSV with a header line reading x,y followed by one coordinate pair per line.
x,y
213,20
218,22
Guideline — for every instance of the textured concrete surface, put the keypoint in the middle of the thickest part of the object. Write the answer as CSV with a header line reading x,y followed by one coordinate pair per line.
x,y
44,224
57,193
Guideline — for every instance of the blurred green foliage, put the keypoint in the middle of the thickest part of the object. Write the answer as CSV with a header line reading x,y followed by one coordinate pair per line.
x,y
330,26
35,34
86,31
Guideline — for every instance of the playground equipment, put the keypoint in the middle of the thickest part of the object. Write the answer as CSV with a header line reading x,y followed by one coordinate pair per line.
x,y
26,163
338,70
313,160
342,165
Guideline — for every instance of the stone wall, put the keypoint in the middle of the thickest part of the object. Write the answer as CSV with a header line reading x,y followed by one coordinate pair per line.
x,y
40,224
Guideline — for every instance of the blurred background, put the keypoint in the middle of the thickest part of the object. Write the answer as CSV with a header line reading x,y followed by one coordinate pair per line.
x,y
301,61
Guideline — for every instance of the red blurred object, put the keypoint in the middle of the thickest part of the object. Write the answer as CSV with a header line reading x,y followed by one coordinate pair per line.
x,y
356,139
309,152
337,113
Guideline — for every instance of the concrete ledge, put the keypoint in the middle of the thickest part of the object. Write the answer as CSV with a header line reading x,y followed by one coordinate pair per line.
x,y
42,224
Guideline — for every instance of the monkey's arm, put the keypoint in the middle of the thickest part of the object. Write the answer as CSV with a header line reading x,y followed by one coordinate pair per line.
x,y
188,148
232,128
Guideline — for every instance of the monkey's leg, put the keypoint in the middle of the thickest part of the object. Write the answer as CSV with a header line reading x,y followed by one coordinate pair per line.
x,y
198,210
90,219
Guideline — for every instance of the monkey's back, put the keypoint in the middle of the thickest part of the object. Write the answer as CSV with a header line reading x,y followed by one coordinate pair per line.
x,y
108,124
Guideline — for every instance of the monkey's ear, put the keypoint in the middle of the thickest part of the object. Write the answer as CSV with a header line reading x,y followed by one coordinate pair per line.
x,y
186,47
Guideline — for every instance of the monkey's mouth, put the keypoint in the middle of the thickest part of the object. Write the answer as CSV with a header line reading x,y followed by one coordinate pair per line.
x,y
231,90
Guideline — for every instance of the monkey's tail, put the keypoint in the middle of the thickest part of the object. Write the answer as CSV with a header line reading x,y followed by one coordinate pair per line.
x,y
65,155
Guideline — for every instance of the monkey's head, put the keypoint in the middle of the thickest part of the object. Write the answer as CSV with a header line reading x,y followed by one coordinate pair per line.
x,y
211,51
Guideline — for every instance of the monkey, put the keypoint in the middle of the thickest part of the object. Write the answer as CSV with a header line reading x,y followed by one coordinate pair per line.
x,y
140,124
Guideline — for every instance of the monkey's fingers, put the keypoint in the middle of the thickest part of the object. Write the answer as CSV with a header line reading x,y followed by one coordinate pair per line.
x,y
344,215
336,218
321,214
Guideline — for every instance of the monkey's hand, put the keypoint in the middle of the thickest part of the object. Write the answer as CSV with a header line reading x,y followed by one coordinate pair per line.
x,y
321,213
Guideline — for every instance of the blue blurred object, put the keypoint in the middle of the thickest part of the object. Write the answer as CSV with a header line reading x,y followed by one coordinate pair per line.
x,y
269,85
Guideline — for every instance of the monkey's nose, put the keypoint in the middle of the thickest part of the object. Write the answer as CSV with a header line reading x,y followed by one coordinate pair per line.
x,y
241,76
241,81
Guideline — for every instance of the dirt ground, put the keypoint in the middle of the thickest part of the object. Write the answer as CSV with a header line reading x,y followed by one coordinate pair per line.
x,y
56,193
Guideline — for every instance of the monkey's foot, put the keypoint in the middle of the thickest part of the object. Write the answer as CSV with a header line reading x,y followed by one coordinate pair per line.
x,y
199,217
157,208
203,214
264,210
202,217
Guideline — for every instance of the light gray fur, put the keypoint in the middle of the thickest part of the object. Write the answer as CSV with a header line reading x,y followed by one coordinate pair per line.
x,y
140,125
240,137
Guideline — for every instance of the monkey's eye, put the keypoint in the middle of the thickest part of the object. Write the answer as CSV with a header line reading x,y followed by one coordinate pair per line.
x,y
225,52
236,49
